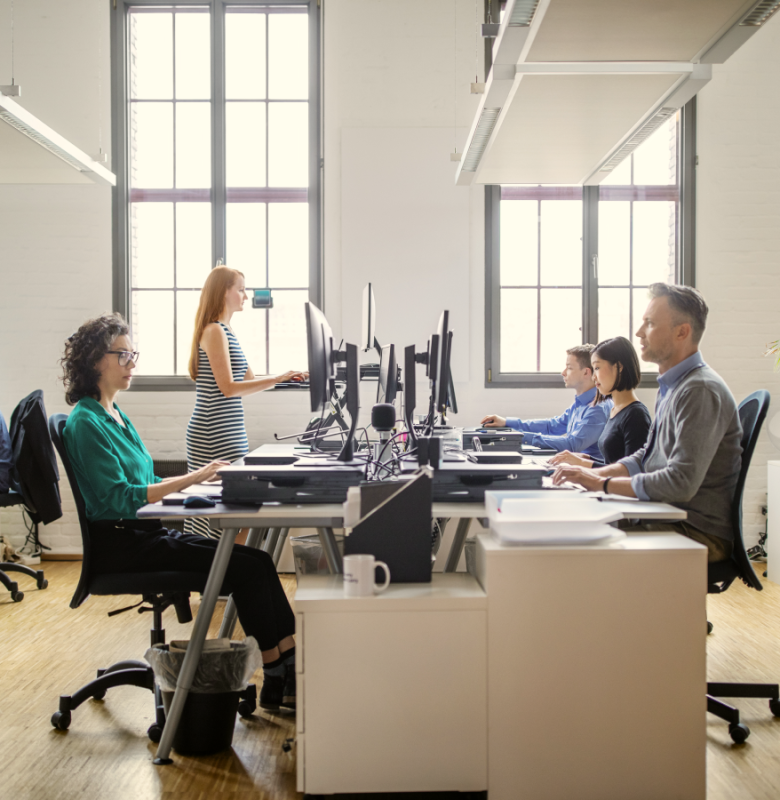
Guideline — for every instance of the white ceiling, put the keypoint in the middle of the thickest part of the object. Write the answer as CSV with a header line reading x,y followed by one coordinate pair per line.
x,y
540,147
556,128
633,30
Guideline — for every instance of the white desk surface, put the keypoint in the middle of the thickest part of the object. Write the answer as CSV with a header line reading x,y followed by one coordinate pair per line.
x,y
660,542
446,591
331,516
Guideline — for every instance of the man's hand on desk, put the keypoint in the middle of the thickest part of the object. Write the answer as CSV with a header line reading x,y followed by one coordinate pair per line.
x,y
493,421
573,459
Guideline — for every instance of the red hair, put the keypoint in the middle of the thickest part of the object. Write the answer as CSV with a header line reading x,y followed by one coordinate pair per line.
x,y
212,303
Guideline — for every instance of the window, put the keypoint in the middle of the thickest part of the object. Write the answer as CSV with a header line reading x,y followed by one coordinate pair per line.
x,y
570,264
217,151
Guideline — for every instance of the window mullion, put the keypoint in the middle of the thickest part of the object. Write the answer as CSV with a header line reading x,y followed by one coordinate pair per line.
x,y
590,253
218,168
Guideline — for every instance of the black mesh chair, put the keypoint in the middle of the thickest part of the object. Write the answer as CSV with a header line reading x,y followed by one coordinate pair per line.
x,y
158,589
720,575
7,500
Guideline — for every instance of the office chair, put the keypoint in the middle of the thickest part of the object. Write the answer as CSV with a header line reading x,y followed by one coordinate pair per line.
x,y
159,589
8,499
721,574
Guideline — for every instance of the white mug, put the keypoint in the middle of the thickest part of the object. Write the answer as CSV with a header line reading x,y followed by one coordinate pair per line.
x,y
359,576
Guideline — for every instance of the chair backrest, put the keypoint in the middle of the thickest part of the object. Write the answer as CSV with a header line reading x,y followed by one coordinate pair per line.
x,y
752,413
56,427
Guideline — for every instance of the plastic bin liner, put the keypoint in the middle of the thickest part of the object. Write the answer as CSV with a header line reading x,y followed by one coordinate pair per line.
x,y
218,671
308,555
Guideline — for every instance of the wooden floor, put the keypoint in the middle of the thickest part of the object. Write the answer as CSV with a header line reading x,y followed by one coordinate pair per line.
x,y
49,649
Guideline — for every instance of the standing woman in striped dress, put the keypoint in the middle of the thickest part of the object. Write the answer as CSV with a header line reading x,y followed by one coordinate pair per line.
x,y
222,376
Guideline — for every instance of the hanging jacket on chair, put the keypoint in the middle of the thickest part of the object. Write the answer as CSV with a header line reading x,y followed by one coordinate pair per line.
x,y
35,472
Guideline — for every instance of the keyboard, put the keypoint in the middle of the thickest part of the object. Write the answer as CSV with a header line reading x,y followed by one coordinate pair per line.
x,y
292,385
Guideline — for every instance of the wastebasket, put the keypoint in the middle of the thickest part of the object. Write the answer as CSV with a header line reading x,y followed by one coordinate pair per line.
x,y
209,715
308,555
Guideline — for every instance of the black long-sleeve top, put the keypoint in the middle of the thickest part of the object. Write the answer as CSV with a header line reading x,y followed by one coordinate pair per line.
x,y
624,434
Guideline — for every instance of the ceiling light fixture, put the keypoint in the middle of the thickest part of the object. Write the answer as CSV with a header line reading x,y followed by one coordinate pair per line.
x,y
28,124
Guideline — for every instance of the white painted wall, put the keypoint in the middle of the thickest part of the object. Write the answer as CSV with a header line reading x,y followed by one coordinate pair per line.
x,y
388,64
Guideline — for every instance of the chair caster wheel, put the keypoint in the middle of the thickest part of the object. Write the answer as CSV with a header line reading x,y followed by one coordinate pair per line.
x,y
61,720
246,709
709,627
739,733
99,695
42,584
287,745
154,733
17,597
774,707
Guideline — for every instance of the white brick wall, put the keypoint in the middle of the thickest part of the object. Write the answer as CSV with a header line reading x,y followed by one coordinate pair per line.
x,y
738,231
381,71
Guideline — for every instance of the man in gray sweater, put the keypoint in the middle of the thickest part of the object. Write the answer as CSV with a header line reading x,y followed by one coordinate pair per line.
x,y
693,453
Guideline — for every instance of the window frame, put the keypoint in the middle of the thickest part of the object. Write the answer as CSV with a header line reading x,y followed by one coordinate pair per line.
x,y
493,378
120,105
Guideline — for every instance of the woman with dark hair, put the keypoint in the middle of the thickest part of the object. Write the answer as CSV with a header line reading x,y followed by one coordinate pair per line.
x,y
616,374
115,475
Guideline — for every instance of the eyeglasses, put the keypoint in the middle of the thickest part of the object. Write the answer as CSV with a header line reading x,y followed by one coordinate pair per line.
x,y
126,356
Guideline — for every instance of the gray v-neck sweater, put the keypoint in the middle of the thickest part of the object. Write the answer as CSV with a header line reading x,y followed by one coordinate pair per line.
x,y
693,453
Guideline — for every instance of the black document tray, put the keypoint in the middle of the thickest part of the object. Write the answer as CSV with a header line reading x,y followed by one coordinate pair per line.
x,y
396,527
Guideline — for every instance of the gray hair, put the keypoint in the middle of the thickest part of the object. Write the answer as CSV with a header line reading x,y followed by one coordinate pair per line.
x,y
687,305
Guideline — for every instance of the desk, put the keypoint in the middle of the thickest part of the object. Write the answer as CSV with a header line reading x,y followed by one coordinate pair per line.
x,y
596,669
232,518
392,690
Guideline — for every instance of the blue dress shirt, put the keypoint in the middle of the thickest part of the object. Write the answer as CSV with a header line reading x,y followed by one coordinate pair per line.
x,y
578,429
5,456
666,384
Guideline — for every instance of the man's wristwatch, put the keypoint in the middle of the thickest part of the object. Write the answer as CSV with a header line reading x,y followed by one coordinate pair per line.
x,y
606,483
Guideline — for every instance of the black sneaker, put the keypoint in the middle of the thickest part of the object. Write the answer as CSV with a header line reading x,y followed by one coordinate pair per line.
x,y
272,692
288,700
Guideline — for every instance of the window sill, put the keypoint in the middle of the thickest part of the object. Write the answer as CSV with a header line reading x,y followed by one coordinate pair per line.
x,y
549,380
162,383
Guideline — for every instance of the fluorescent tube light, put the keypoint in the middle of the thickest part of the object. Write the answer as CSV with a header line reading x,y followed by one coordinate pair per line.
x,y
487,121
761,13
28,124
523,13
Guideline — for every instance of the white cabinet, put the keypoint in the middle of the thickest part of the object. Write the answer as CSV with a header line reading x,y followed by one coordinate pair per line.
x,y
596,669
392,690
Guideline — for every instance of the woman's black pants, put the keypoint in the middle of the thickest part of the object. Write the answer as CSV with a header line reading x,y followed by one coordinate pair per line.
x,y
251,577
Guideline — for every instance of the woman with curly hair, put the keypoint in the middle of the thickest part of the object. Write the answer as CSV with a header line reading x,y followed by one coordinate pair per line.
x,y
115,475
222,378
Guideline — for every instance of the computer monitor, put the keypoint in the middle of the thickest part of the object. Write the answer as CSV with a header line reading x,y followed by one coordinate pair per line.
x,y
368,331
322,369
410,389
438,364
452,402
319,342
387,387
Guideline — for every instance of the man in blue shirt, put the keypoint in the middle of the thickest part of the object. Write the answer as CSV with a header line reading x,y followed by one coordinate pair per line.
x,y
579,427
5,456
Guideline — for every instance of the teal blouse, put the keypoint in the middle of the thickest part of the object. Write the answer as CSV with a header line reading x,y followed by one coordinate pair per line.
x,y
113,467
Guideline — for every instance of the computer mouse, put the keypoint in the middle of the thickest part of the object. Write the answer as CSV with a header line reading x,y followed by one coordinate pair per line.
x,y
197,501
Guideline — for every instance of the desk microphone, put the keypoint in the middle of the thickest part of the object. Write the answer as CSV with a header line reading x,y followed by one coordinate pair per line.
x,y
383,422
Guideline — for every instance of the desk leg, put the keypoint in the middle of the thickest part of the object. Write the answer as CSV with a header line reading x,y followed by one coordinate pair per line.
x,y
269,545
195,648
253,539
453,557
277,554
329,546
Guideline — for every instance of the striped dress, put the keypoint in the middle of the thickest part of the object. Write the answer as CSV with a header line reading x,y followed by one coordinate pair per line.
x,y
216,429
